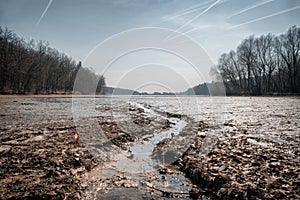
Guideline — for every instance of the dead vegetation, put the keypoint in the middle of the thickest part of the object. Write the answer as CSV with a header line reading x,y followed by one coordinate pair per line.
x,y
42,163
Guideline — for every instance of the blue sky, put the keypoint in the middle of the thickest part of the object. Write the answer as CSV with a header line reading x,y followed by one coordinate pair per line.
x,y
75,27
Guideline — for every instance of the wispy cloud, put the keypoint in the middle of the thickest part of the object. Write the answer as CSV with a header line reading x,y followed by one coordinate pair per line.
x,y
189,10
189,22
43,14
197,16
265,17
256,5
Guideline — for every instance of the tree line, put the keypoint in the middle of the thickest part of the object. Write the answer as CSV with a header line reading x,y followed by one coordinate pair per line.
x,y
34,67
263,65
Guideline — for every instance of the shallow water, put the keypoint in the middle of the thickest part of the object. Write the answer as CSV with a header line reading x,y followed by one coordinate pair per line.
x,y
142,151
141,167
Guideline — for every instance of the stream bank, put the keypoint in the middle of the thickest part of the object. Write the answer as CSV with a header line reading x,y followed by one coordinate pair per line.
x,y
135,169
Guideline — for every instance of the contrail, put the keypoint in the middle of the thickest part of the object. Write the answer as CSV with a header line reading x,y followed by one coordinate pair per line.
x,y
189,10
265,17
194,18
250,8
185,13
46,9
196,6
197,16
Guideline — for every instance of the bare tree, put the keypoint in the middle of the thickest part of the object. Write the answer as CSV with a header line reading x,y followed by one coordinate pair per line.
x,y
262,65
34,67
288,48
246,58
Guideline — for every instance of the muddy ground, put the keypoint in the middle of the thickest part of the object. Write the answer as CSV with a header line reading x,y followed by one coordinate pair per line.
x,y
43,155
42,162
253,154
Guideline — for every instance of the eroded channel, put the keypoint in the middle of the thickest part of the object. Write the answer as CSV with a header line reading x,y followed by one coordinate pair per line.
x,y
134,173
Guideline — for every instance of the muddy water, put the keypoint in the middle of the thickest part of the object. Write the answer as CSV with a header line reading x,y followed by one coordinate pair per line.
x,y
142,151
152,179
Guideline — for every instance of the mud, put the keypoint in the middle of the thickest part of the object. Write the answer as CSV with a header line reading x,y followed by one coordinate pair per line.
x,y
239,169
254,154
42,162
241,148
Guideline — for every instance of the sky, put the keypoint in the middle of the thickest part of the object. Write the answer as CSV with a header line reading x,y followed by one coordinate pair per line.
x,y
94,31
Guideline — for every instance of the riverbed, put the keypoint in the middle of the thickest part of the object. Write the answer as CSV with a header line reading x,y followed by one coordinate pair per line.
x,y
146,147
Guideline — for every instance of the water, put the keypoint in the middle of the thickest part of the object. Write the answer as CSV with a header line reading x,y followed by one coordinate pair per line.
x,y
139,164
142,151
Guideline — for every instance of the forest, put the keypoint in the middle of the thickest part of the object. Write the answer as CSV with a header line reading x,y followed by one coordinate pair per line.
x,y
263,65
33,67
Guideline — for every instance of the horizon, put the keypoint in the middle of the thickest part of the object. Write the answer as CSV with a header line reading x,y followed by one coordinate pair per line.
x,y
217,26
150,93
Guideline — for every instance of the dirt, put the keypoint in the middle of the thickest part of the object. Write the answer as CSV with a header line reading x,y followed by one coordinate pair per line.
x,y
42,162
44,157
237,169
253,154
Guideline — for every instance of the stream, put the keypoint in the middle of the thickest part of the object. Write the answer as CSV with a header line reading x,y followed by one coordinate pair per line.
x,y
136,171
